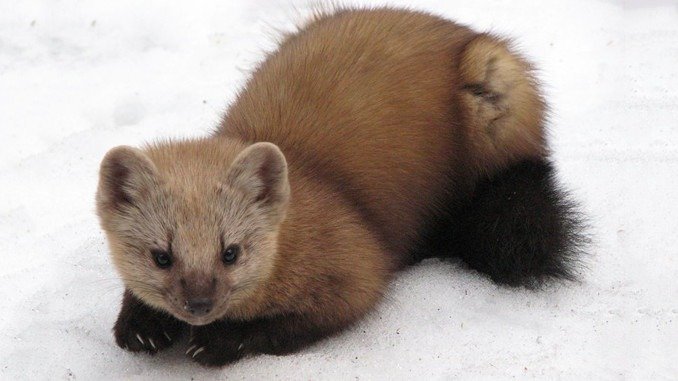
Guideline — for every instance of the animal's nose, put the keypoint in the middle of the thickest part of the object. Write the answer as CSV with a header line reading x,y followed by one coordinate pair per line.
x,y
198,306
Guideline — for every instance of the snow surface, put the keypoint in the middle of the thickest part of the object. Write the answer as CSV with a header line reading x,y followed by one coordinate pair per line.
x,y
77,78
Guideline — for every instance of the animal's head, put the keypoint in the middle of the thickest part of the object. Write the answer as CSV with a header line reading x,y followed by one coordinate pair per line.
x,y
193,226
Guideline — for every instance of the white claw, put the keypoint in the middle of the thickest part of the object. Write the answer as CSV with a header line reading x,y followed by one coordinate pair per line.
x,y
152,343
198,351
140,339
241,346
192,347
167,336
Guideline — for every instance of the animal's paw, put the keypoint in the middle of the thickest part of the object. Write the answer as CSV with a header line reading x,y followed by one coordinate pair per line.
x,y
141,329
216,344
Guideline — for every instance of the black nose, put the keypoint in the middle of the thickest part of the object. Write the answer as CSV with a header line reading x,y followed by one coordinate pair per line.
x,y
198,306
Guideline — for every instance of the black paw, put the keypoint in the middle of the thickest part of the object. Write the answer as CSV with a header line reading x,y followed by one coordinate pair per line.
x,y
216,344
140,328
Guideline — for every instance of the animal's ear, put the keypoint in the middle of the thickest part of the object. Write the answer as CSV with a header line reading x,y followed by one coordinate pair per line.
x,y
260,170
125,177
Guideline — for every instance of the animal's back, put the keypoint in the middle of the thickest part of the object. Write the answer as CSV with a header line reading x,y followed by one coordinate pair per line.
x,y
363,99
368,100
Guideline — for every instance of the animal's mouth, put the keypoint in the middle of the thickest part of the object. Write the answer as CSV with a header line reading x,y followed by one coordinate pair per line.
x,y
181,313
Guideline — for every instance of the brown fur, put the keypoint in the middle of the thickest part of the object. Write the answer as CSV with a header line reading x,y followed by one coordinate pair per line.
x,y
382,118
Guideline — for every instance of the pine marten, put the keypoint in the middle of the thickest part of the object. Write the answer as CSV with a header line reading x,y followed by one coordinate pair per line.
x,y
369,140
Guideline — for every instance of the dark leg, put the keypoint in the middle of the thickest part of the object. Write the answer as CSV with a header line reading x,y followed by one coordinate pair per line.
x,y
142,328
224,342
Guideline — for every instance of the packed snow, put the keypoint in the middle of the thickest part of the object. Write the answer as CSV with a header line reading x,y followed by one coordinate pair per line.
x,y
78,78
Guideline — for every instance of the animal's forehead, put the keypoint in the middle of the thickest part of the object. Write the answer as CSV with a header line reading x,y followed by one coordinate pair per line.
x,y
196,229
211,214
199,204
195,210
194,163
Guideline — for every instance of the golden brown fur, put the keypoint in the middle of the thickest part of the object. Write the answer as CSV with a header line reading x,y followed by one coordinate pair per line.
x,y
382,119
369,100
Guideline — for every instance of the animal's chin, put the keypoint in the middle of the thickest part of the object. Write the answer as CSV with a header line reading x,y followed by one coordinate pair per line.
x,y
193,320
197,320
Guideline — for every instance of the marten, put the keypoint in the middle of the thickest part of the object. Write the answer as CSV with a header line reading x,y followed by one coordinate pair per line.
x,y
369,140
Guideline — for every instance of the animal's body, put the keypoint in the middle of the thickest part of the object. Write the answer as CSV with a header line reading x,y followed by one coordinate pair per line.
x,y
368,140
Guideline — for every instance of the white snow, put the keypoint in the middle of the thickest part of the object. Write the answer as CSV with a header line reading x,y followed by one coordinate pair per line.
x,y
77,78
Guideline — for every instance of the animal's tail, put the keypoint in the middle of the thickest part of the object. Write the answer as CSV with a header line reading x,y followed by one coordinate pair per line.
x,y
519,226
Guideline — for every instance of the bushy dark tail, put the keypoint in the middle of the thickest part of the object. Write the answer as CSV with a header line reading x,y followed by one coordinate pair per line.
x,y
520,227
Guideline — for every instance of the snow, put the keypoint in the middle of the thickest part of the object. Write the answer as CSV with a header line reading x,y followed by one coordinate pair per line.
x,y
77,78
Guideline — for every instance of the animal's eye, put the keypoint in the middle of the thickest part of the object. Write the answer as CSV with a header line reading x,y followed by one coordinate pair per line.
x,y
230,254
162,259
